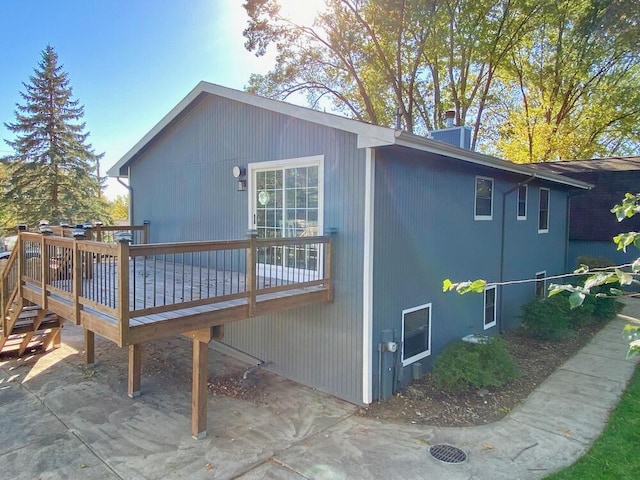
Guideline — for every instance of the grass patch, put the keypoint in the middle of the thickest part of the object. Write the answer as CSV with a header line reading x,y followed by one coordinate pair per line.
x,y
616,453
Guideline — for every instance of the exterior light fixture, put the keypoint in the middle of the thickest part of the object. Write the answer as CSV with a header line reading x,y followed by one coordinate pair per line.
x,y
78,232
44,227
240,174
123,237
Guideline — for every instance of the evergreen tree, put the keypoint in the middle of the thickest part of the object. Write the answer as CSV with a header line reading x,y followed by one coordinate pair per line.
x,y
51,174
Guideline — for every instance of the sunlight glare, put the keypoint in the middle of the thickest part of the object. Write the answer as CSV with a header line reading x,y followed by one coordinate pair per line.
x,y
301,11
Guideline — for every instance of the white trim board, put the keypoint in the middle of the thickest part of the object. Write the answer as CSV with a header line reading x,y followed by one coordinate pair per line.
x,y
367,278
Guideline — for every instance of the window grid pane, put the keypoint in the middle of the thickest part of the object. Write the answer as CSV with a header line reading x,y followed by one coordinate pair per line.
x,y
287,206
484,197
416,329
543,214
489,306
522,202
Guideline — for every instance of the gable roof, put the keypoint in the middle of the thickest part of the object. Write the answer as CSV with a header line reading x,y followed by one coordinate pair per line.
x,y
368,135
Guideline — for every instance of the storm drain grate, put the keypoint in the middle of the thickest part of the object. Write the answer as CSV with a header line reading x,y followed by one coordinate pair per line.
x,y
447,454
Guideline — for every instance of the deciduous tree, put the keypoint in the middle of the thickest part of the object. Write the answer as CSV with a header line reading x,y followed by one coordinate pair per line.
x,y
575,81
537,79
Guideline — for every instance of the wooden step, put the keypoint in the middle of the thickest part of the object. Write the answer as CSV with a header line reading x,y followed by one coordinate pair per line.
x,y
27,336
51,320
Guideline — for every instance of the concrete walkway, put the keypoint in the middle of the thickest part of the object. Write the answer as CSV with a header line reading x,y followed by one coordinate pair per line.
x,y
61,420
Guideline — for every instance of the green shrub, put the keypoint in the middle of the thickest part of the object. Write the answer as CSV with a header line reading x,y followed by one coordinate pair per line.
x,y
605,308
582,315
548,318
465,365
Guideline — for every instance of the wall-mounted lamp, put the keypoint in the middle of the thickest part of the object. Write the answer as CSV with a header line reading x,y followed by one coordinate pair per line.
x,y
44,227
240,174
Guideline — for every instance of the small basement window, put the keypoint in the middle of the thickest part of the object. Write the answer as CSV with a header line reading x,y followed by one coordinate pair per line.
x,y
490,307
484,199
416,333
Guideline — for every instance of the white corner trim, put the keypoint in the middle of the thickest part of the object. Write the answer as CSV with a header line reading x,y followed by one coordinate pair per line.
x,y
367,278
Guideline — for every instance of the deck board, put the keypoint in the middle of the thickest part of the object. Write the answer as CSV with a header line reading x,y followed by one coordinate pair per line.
x,y
153,286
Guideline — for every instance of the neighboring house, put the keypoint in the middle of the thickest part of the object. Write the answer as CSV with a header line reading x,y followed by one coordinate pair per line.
x,y
409,212
592,226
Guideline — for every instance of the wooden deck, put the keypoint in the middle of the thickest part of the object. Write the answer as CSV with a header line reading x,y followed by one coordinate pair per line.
x,y
131,294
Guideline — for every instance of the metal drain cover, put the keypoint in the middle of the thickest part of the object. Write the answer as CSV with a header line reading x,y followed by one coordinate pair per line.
x,y
447,454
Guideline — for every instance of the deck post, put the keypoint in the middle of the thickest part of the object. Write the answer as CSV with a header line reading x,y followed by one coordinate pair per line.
x,y
77,282
328,262
21,259
89,348
252,259
135,369
57,338
199,389
123,291
145,232
44,270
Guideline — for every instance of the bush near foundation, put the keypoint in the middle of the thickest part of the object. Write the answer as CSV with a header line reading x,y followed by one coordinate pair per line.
x,y
552,318
547,318
463,366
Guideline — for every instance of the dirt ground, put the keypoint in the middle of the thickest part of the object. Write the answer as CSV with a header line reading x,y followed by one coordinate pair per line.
x,y
422,403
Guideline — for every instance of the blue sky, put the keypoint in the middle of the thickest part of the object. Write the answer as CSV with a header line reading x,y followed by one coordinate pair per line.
x,y
129,61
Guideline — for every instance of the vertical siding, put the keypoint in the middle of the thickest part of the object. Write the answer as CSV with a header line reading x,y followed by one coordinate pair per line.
x,y
528,252
425,232
184,187
604,250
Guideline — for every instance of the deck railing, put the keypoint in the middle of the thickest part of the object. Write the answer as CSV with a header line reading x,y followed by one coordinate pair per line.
x,y
105,233
9,281
125,282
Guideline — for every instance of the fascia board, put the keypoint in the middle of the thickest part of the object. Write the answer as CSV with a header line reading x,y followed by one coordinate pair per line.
x,y
440,148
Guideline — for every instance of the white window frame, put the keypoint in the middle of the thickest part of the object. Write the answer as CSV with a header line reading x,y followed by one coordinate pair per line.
x,y
526,196
543,189
541,277
495,307
424,353
311,161
475,199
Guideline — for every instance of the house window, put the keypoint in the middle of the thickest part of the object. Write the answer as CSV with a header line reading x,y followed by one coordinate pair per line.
x,y
286,200
543,211
416,333
484,199
522,202
489,307
541,284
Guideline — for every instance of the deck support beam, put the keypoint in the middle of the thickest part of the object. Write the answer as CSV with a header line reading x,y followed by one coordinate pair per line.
x,y
199,388
89,348
135,369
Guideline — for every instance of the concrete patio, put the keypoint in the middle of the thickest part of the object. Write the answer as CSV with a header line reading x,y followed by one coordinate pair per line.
x,y
59,419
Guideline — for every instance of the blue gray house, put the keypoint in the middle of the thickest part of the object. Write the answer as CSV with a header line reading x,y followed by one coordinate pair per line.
x,y
592,226
409,212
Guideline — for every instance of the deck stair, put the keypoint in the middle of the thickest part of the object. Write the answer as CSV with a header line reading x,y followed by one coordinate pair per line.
x,y
31,329
25,326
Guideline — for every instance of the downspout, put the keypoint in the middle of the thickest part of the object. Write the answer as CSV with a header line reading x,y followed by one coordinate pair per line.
x,y
503,242
130,189
567,268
